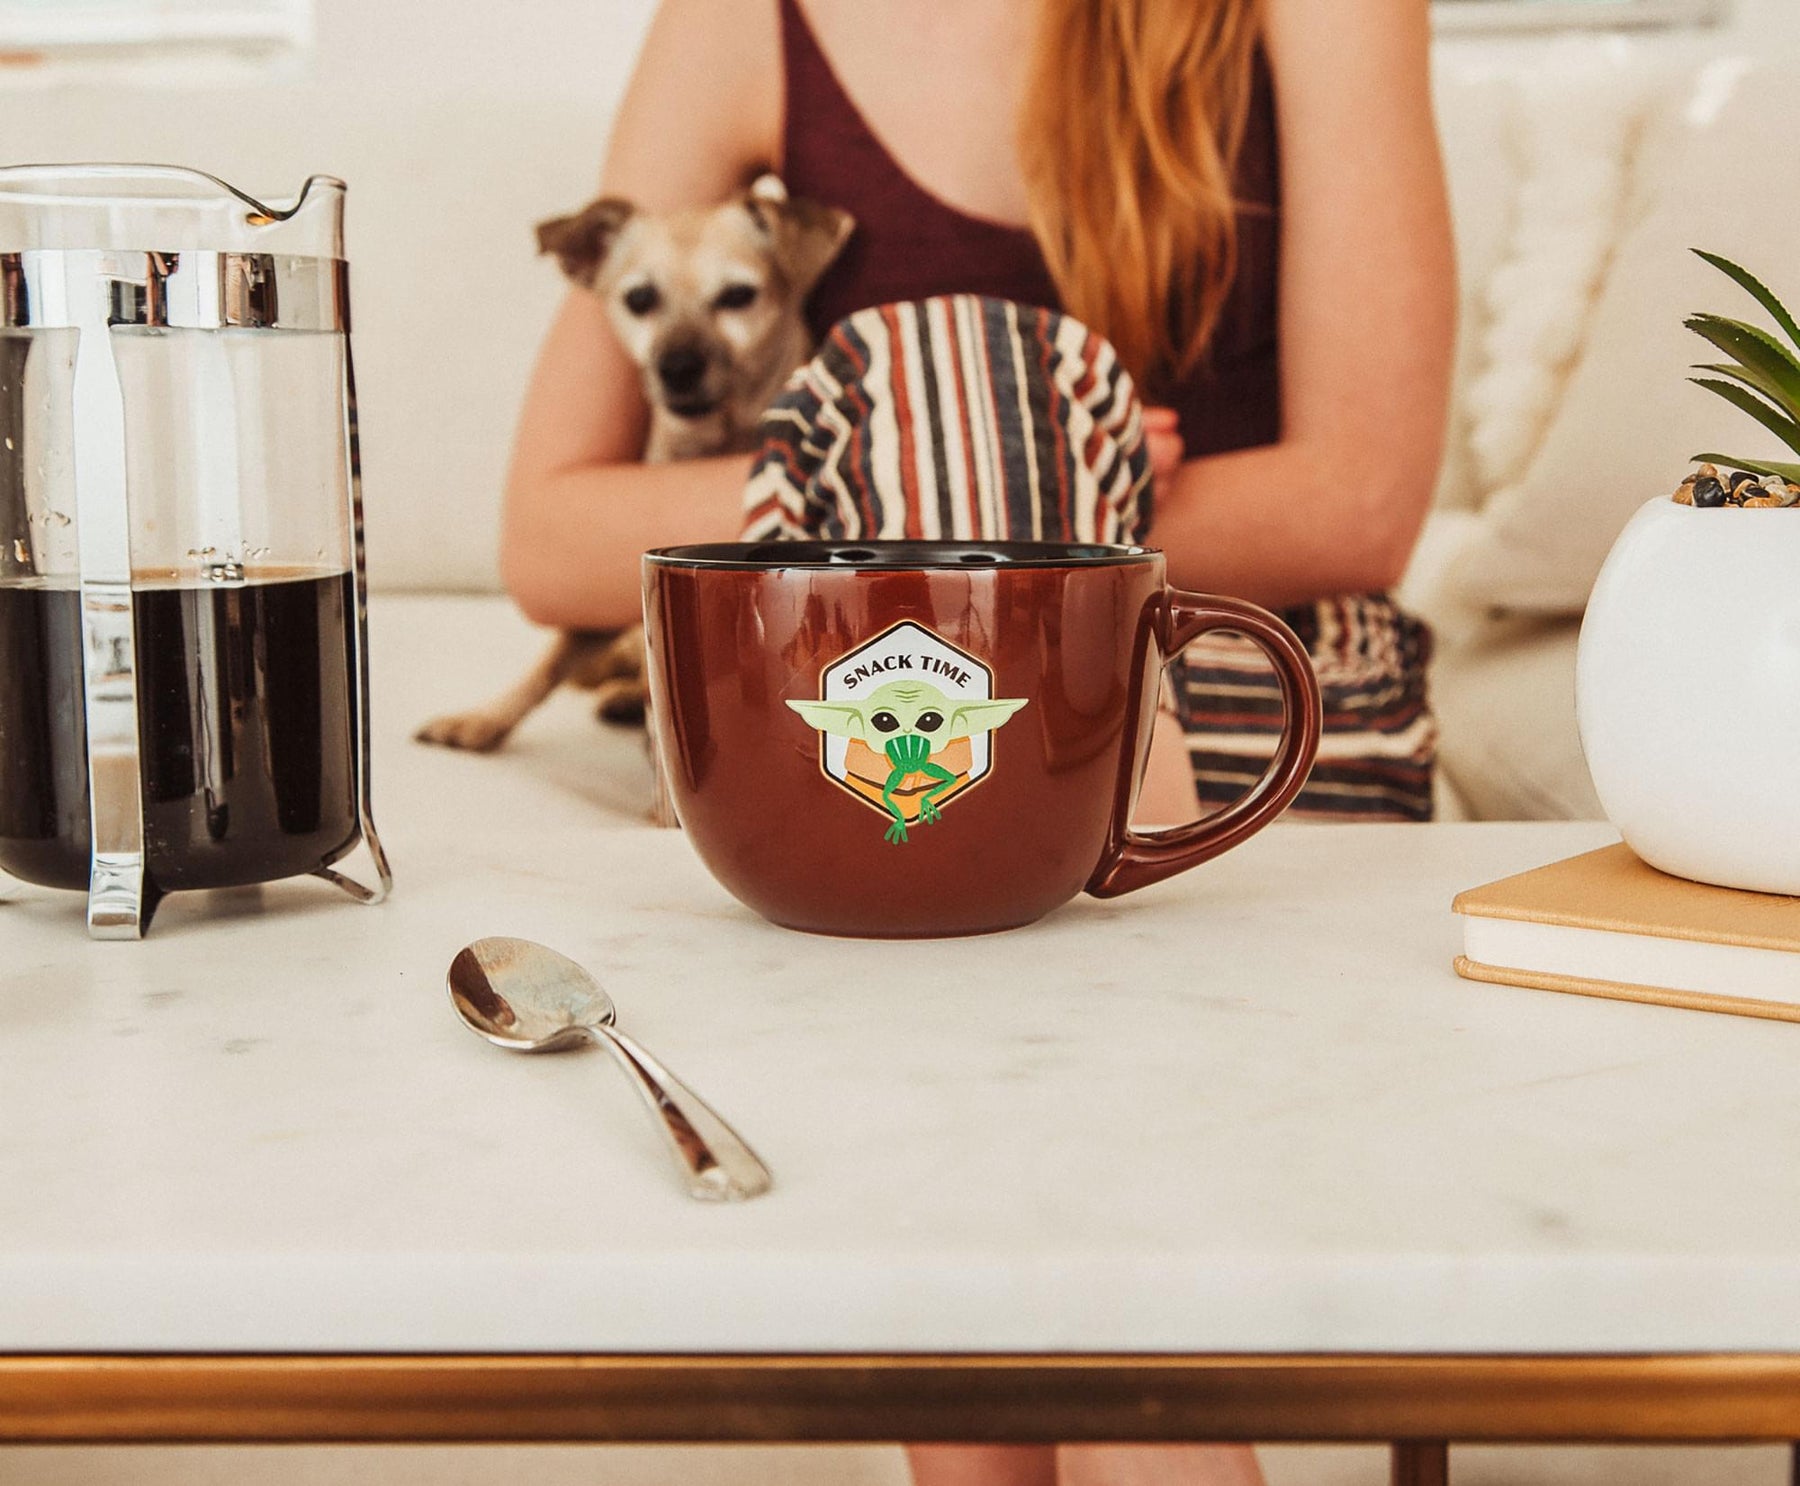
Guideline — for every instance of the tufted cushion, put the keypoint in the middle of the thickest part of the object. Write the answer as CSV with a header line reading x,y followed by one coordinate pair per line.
x,y
1626,421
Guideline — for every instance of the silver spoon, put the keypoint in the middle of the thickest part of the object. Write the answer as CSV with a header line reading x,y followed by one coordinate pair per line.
x,y
522,996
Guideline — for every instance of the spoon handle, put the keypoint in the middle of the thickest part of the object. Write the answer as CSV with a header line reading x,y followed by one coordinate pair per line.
x,y
719,1166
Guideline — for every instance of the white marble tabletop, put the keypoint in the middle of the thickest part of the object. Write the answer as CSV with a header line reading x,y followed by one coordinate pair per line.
x,y
1249,1110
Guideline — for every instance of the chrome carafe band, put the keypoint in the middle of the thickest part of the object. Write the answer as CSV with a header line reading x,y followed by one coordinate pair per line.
x,y
195,290
75,292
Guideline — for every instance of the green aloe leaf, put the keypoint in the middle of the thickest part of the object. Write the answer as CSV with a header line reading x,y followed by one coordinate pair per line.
x,y
1755,380
1759,291
1773,419
1738,338
1756,466
1756,349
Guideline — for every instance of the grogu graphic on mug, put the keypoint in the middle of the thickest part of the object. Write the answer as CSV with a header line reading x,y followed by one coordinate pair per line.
x,y
906,724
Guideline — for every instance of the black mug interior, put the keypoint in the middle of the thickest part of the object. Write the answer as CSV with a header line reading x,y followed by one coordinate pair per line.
x,y
893,555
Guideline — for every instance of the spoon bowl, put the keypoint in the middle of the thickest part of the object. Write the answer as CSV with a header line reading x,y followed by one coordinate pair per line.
x,y
528,998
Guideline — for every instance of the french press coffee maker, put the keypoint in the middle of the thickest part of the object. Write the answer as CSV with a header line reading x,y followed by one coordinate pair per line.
x,y
184,697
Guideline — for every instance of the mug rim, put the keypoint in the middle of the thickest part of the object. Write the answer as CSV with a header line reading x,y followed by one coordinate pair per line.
x,y
891,556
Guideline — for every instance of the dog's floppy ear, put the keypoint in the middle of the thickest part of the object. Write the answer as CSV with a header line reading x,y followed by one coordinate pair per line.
x,y
581,242
807,235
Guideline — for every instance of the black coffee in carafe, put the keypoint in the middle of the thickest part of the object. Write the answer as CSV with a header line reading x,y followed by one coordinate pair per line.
x,y
246,708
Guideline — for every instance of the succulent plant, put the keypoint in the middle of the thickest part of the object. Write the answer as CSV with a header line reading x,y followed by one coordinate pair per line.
x,y
1762,378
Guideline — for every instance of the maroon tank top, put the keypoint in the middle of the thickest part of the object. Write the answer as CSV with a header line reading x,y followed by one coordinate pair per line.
x,y
909,244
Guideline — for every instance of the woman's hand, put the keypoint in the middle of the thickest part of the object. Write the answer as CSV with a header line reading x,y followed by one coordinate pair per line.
x,y
1162,436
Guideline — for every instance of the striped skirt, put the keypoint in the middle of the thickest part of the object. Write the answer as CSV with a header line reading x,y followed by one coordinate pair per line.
x,y
1379,747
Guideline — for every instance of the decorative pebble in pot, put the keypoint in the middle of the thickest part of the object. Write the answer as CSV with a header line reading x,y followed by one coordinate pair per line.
x,y
1688,671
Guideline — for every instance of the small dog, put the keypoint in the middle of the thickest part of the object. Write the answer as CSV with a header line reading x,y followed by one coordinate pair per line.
x,y
708,304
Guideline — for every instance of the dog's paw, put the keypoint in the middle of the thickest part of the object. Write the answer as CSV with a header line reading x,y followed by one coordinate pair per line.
x,y
622,701
477,732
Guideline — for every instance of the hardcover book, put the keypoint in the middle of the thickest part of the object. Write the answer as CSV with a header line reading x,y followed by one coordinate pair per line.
x,y
1605,924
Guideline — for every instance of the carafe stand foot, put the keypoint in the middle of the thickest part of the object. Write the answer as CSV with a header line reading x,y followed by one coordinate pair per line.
x,y
121,897
369,879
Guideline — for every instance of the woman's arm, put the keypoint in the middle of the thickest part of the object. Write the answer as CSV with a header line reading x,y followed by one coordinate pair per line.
x,y
580,508
1367,323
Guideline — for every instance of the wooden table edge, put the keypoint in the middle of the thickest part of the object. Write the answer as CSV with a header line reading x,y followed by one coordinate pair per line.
x,y
215,1398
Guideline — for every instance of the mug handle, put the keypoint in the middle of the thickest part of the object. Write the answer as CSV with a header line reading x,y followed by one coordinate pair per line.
x,y
1135,859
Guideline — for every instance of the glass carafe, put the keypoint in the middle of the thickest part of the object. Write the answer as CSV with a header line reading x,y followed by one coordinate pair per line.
x,y
183,644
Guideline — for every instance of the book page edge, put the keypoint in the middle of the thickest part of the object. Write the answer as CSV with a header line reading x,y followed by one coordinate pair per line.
x,y
1615,991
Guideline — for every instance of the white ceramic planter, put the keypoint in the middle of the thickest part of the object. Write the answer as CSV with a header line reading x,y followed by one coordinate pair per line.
x,y
1688,692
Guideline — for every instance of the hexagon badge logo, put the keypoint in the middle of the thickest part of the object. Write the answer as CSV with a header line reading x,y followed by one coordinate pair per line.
x,y
906,723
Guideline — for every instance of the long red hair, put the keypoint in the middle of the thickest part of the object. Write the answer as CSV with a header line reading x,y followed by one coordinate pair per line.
x,y
1132,117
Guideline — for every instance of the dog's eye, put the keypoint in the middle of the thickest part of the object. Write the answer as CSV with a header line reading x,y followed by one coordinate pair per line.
x,y
736,297
642,299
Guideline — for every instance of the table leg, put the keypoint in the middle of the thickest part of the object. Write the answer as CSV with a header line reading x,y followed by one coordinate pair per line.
x,y
1794,1465
1420,1463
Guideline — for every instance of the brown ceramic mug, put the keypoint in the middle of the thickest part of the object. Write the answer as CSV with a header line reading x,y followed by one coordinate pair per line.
x,y
909,739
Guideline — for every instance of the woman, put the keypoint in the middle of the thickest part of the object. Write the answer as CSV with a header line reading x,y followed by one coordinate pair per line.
x,y
1206,182
1086,152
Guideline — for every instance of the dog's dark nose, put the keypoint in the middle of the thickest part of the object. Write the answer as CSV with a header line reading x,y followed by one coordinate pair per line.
x,y
681,369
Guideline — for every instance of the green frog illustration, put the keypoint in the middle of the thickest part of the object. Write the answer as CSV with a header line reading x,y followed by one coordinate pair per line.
x,y
909,721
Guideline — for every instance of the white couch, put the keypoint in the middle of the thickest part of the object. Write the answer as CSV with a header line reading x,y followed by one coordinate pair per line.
x,y
1579,182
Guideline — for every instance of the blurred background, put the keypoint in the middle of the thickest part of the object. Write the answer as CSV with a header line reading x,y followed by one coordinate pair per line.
x,y
1590,143
460,124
